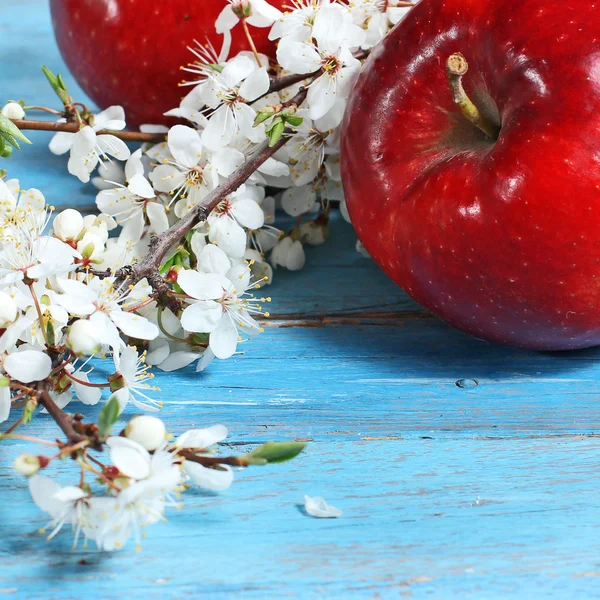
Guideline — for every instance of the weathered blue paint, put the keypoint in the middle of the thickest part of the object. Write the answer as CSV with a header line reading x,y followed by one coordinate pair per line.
x,y
464,470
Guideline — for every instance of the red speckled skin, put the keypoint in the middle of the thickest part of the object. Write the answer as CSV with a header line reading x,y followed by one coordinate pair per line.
x,y
501,240
128,52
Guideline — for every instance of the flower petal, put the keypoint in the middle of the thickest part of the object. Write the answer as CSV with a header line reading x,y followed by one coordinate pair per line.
x,y
202,316
224,339
28,366
131,458
210,479
202,438
185,145
317,507
134,325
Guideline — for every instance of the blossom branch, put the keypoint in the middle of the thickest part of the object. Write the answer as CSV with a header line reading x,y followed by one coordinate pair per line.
x,y
285,81
127,136
63,420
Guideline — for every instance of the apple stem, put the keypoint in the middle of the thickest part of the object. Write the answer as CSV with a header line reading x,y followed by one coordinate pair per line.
x,y
456,67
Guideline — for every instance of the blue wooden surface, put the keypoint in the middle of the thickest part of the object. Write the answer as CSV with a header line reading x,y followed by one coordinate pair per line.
x,y
482,491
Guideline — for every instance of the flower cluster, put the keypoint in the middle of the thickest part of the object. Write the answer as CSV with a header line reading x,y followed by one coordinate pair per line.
x,y
167,272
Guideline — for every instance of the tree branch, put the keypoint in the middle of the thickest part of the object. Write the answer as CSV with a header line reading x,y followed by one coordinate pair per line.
x,y
160,245
64,420
212,461
127,136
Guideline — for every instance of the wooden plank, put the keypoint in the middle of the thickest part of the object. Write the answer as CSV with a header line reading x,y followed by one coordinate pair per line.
x,y
422,519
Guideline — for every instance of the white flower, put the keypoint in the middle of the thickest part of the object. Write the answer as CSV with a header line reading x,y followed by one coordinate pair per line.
x,y
53,316
317,507
228,92
13,110
130,379
206,60
258,13
67,506
298,200
219,307
155,478
289,254
81,338
313,233
68,224
90,396
101,303
28,365
335,36
378,16
88,149
28,464
131,206
109,173
24,251
311,142
215,480
8,310
192,172
298,24
146,430
260,269
228,218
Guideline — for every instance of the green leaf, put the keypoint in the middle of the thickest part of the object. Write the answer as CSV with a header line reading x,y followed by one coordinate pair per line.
x,y
108,415
294,121
11,133
263,114
57,83
276,132
274,452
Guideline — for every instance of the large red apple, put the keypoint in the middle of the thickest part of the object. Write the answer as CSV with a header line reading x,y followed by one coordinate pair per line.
x,y
501,238
128,52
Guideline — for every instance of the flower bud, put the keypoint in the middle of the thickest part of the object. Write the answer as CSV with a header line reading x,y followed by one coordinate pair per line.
x,y
81,338
13,110
68,225
8,310
313,233
30,464
242,8
95,225
90,245
147,431
288,254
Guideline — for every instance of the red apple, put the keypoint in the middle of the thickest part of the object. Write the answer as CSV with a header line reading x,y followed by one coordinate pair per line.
x,y
128,52
499,237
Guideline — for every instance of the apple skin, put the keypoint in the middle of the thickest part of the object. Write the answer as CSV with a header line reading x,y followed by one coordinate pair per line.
x,y
129,52
501,240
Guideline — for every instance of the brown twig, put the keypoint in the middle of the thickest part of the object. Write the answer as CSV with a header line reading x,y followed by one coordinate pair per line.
x,y
63,420
127,136
212,461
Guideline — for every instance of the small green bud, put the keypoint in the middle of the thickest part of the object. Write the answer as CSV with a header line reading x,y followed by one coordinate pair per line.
x,y
294,121
276,132
274,452
263,114
28,410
